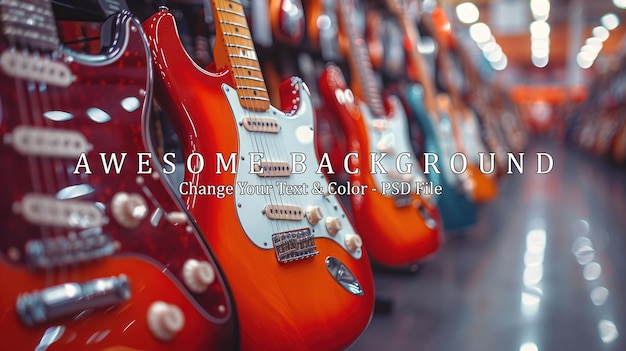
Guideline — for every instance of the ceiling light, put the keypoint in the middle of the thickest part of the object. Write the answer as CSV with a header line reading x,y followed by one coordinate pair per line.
x,y
601,33
620,4
541,9
495,55
467,12
500,64
540,44
584,60
610,21
539,61
540,29
540,52
480,32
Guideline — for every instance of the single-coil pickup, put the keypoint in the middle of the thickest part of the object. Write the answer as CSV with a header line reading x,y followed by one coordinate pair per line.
x,y
273,169
284,212
49,211
37,69
294,245
261,124
36,141
62,251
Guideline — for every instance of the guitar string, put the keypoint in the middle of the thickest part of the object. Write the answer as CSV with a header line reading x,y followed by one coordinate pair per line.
x,y
257,140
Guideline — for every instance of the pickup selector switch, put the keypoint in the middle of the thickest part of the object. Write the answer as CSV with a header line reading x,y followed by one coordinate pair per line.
x,y
198,275
333,225
314,214
353,242
165,320
129,209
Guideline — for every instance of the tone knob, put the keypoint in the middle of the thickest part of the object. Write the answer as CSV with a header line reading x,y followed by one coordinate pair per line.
x,y
333,225
129,209
165,320
353,242
314,214
198,275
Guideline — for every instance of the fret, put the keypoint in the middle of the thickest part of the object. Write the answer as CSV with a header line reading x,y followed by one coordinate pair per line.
x,y
256,79
236,24
259,98
239,46
251,56
236,35
251,68
247,87
230,12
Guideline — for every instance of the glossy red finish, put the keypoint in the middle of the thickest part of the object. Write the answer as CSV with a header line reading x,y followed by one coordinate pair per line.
x,y
294,306
151,255
394,236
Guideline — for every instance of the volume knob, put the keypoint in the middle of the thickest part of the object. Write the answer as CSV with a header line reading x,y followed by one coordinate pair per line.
x,y
353,242
314,214
165,320
333,225
198,275
129,209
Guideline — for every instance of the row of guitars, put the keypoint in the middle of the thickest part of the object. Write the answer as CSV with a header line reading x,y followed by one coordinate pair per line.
x,y
599,124
103,252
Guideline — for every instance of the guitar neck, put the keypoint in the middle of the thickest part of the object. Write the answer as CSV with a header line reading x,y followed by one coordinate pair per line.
x,y
40,33
360,64
420,72
234,48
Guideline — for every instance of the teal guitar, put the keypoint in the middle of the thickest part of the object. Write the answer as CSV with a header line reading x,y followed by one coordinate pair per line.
x,y
457,211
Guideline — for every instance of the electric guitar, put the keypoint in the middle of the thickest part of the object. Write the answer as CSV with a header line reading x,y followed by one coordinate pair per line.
x,y
295,265
287,20
399,228
457,211
95,254
468,141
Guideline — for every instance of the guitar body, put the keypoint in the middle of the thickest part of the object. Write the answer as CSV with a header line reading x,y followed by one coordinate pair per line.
x,y
485,187
287,20
400,229
457,211
323,301
120,238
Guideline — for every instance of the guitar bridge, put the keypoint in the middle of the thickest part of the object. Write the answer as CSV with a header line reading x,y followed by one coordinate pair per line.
x,y
294,245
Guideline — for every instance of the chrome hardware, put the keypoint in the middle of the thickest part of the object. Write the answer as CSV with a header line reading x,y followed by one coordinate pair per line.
x,y
66,300
343,276
294,245
47,210
61,251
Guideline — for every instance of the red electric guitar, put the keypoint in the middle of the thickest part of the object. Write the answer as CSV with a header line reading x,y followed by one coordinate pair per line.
x,y
399,228
296,267
93,259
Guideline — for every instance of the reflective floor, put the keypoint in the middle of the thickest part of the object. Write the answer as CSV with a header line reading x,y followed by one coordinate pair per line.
x,y
545,269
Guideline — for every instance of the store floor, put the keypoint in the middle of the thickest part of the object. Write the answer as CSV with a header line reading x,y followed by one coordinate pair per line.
x,y
544,269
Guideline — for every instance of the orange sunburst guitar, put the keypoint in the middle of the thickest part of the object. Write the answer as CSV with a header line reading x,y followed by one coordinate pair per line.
x,y
91,258
398,228
296,268
482,184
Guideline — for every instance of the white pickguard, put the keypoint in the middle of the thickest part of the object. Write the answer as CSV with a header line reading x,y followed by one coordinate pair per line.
x,y
295,135
396,136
